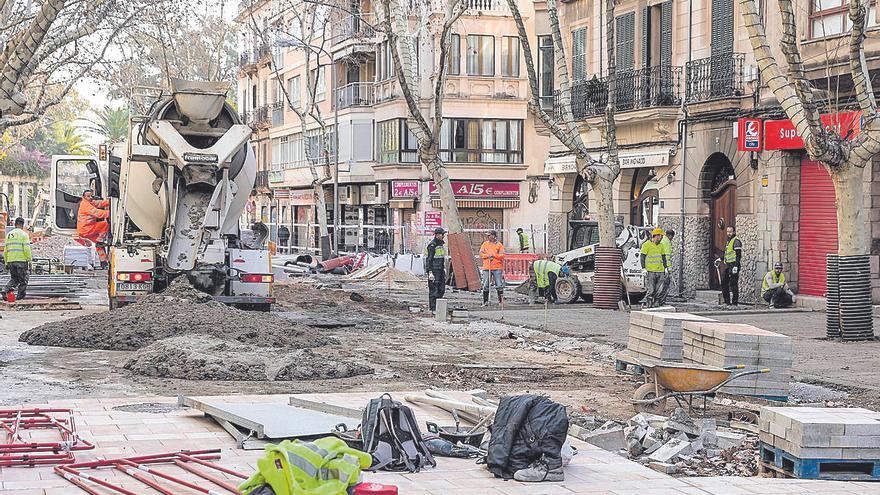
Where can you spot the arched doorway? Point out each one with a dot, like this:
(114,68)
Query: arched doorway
(579,231)
(580,204)
(718,181)
(644,199)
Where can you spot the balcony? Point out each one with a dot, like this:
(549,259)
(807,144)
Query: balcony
(257,118)
(357,94)
(354,27)
(262,180)
(653,87)
(719,76)
(253,56)
(474,7)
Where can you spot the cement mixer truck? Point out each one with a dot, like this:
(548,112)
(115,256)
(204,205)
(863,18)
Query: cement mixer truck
(176,188)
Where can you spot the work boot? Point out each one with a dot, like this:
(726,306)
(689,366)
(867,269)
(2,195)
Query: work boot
(539,471)
(485,299)
(500,298)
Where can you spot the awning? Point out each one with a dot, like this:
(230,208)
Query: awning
(481,203)
(404,204)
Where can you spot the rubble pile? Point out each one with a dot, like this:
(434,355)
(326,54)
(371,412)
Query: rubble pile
(679,444)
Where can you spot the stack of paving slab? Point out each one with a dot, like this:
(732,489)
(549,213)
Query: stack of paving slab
(822,433)
(657,335)
(730,344)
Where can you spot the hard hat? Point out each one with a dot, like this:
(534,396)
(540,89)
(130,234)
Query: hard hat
(777,265)
(439,230)
(657,231)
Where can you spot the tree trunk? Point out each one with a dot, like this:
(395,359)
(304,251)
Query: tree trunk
(603,190)
(451,219)
(321,207)
(852,217)
(604,176)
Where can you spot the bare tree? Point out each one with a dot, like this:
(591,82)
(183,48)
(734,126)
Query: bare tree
(307,32)
(48,46)
(396,16)
(599,174)
(845,159)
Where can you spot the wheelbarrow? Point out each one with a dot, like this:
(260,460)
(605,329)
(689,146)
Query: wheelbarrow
(682,382)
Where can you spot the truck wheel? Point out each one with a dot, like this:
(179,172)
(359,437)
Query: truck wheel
(567,289)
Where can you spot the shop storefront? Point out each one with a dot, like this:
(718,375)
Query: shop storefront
(481,206)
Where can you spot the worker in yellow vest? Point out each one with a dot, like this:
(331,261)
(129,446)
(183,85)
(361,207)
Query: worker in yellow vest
(523,240)
(546,274)
(656,266)
(732,260)
(774,290)
(666,242)
(17,257)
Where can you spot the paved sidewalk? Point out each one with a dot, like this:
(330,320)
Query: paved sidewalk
(593,471)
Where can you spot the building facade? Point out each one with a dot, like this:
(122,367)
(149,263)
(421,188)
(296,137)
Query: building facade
(387,202)
(687,78)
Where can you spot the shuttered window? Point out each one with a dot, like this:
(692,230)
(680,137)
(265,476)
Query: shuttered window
(722,27)
(579,54)
(666,34)
(625,40)
(657,35)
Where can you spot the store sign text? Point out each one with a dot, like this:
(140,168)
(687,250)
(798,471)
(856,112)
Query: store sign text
(782,135)
(405,189)
(481,189)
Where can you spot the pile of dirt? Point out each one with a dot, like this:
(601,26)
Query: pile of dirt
(209,358)
(179,311)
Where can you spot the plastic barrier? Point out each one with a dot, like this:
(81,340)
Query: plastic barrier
(516,266)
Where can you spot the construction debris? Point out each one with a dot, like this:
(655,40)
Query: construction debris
(384,275)
(53,285)
(27,443)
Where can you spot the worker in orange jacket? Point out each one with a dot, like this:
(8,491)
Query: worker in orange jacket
(492,253)
(91,221)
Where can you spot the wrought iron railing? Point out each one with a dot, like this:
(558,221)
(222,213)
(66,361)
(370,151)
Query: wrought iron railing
(252,56)
(262,179)
(356,94)
(256,117)
(658,86)
(719,76)
(354,26)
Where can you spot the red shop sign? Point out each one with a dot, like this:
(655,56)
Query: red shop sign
(781,134)
(405,188)
(433,219)
(749,135)
(481,189)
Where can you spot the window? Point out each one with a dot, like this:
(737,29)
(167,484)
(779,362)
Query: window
(830,17)
(579,54)
(318,81)
(384,62)
(293,91)
(318,148)
(481,141)
(481,55)
(454,55)
(624,33)
(396,143)
(510,56)
(546,75)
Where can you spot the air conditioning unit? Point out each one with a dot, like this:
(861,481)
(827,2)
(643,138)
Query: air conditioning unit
(349,195)
(382,196)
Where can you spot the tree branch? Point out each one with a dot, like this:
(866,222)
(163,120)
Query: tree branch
(858,14)
(796,73)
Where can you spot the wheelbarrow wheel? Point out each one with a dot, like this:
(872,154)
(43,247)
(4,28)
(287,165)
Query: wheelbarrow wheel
(647,392)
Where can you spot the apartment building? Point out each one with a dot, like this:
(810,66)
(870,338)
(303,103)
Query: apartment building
(687,77)
(494,154)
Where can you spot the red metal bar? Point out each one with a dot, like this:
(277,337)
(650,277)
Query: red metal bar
(213,466)
(69,474)
(213,479)
(207,455)
(143,479)
(156,472)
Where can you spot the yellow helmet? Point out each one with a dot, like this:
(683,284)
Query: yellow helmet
(657,231)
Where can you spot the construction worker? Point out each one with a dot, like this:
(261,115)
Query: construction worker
(492,253)
(546,273)
(91,221)
(283,238)
(656,266)
(435,267)
(523,240)
(774,290)
(666,242)
(17,256)
(730,277)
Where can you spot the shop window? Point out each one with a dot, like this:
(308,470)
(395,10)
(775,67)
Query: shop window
(481,141)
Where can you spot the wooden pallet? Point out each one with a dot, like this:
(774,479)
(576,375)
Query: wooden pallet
(625,363)
(39,305)
(777,462)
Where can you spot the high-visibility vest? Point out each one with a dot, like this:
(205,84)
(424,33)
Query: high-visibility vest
(729,252)
(543,268)
(326,466)
(653,256)
(523,240)
(667,248)
(771,278)
(17,247)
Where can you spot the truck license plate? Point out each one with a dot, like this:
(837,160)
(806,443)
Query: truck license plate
(133,287)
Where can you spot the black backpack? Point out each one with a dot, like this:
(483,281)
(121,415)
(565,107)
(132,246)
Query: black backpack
(391,435)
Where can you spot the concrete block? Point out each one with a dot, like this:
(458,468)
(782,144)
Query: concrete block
(670,450)
(611,439)
(728,439)
(442,312)
(663,467)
